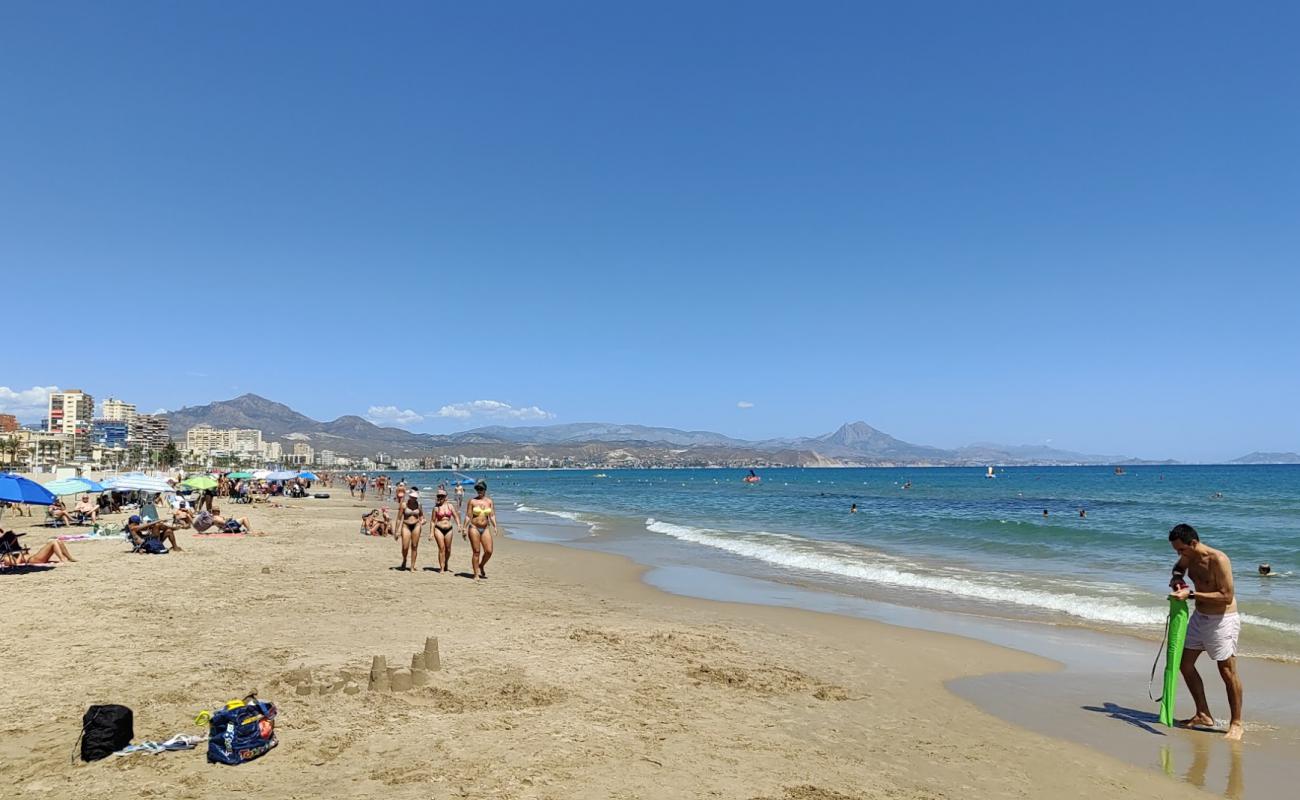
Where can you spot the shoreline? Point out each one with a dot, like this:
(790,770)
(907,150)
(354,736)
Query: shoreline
(1047,701)
(564,675)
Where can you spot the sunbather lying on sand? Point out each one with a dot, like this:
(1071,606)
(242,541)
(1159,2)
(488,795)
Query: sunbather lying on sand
(13,554)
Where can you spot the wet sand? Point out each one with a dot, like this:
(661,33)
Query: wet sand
(563,676)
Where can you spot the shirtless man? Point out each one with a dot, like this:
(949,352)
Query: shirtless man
(139,530)
(87,509)
(1214,625)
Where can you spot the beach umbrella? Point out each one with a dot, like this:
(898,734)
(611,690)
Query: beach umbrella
(239,475)
(136,481)
(199,482)
(17,489)
(282,475)
(261,474)
(308,476)
(73,486)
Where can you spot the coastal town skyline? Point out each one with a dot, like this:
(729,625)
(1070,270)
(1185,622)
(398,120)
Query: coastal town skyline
(113,424)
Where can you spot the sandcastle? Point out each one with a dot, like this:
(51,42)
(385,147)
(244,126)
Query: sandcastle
(383,678)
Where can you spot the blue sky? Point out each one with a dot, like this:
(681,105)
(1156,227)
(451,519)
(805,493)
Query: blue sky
(1028,222)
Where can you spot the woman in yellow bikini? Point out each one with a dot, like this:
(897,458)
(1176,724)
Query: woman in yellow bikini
(480,522)
(446,518)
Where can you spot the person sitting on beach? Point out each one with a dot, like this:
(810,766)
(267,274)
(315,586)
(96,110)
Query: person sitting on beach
(139,530)
(377,522)
(13,554)
(210,519)
(59,513)
(1213,627)
(86,509)
(182,512)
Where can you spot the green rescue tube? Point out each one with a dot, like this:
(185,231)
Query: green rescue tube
(1173,658)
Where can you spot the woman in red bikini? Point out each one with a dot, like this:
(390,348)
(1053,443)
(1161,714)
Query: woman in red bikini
(446,519)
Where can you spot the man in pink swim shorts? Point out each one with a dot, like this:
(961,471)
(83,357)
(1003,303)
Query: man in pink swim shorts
(1214,625)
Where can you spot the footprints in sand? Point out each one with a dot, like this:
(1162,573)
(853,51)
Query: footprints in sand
(810,792)
(766,680)
(713,661)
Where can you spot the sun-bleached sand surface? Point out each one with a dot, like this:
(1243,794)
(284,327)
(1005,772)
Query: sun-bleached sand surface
(562,676)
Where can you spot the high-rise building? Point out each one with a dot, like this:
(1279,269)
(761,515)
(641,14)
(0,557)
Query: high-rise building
(110,433)
(70,412)
(8,423)
(273,451)
(203,439)
(305,450)
(149,431)
(115,410)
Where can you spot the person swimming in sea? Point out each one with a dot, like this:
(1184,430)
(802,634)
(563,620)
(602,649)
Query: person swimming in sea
(1083,513)
(853,509)
(1265,570)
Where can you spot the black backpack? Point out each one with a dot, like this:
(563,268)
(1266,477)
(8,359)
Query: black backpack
(105,730)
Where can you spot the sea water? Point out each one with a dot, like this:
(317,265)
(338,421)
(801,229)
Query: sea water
(952,538)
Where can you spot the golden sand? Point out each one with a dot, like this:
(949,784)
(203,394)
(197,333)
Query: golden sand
(562,676)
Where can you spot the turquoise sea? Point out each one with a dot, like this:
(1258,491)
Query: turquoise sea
(951,538)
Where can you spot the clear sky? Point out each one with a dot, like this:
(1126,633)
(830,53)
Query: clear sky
(1024,222)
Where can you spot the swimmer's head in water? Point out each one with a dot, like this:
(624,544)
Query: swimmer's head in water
(1265,569)
(480,487)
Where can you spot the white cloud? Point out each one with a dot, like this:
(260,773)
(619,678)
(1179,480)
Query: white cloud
(492,409)
(744,404)
(26,404)
(392,415)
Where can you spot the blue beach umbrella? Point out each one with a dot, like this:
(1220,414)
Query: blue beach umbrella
(73,486)
(17,489)
(308,476)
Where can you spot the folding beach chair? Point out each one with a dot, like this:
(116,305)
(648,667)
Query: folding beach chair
(149,512)
(12,553)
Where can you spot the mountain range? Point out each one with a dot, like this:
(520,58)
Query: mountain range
(855,443)
(1267,458)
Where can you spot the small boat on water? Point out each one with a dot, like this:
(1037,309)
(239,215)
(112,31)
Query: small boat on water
(752,478)
(600,475)
(990,473)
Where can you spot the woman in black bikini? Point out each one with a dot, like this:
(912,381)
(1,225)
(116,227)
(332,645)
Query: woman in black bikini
(446,519)
(412,521)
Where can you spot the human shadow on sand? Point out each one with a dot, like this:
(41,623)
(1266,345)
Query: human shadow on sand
(1138,719)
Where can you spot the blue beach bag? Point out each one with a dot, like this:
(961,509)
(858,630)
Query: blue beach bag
(243,732)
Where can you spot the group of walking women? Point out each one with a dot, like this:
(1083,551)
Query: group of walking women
(478,525)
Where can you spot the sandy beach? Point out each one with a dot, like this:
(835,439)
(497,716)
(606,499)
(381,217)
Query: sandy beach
(562,676)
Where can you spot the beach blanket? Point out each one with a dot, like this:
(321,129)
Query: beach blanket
(91,537)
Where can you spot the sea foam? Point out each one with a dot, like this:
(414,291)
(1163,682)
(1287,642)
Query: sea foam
(778,549)
(569,515)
